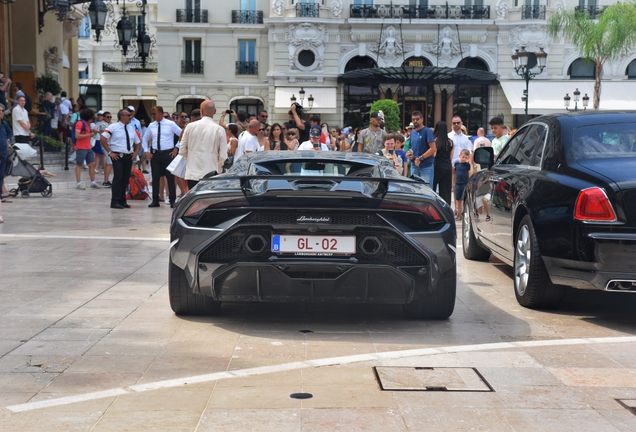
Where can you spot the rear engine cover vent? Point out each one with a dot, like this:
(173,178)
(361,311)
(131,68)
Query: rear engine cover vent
(431,379)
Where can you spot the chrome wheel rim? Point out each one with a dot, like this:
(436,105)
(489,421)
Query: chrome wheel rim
(522,260)
(466,229)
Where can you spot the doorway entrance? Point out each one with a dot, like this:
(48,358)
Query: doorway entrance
(409,107)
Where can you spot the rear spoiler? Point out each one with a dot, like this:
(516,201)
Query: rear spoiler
(272,189)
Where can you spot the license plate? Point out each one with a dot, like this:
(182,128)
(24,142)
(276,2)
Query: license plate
(314,245)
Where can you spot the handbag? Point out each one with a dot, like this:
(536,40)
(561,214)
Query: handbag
(178,166)
(227,164)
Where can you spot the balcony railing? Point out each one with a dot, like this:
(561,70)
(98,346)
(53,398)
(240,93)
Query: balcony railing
(246,68)
(420,12)
(191,66)
(533,12)
(192,15)
(308,10)
(592,11)
(247,17)
(129,66)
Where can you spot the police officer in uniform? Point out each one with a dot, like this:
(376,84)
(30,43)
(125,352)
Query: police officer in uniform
(158,142)
(122,144)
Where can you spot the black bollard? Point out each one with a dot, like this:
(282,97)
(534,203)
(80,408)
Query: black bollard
(42,154)
(66,155)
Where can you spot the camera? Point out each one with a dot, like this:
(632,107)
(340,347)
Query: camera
(317,145)
(391,152)
(228,111)
(299,109)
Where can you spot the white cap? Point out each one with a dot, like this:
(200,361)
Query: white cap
(130,108)
(100,112)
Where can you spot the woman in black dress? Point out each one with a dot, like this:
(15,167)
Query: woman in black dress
(443,167)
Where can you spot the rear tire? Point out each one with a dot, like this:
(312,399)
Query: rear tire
(440,304)
(533,287)
(472,250)
(25,194)
(183,301)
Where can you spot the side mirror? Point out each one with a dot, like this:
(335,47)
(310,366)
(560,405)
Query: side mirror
(484,156)
(210,175)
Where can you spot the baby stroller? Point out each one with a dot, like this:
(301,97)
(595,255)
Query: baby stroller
(31,180)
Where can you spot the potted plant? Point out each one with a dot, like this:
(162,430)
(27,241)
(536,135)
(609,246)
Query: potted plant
(50,144)
(47,83)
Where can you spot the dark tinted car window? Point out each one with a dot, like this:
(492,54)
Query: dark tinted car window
(605,141)
(532,140)
(507,156)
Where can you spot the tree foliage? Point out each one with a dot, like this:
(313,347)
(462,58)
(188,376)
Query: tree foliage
(607,38)
(391,111)
(47,83)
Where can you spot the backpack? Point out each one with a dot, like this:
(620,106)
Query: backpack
(28,103)
(83,131)
(138,186)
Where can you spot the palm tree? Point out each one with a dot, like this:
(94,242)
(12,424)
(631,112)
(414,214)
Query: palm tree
(607,38)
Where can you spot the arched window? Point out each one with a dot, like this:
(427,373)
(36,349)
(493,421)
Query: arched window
(360,62)
(582,69)
(631,70)
(473,63)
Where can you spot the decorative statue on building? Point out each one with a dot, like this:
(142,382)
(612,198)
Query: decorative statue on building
(278,6)
(51,60)
(446,47)
(336,7)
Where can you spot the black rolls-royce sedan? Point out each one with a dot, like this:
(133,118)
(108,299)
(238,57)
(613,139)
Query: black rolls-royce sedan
(559,205)
(313,226)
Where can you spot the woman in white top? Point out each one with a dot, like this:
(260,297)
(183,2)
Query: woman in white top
(261,138)
(232,138)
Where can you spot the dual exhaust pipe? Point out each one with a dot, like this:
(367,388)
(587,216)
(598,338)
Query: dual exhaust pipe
(621,285)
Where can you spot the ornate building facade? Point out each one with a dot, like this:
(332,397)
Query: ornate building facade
(436,57)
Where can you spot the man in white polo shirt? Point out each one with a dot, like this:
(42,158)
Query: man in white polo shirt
(21,124)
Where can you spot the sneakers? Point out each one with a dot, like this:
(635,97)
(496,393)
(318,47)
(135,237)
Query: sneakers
(94,185)
(80,186)
(107,184)
(145,171)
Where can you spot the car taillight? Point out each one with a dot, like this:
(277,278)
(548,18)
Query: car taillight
(428,210)
(200,206)
(592,205)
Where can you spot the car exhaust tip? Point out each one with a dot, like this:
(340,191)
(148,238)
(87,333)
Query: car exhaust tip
(370,245)
(256,244)
(621,285)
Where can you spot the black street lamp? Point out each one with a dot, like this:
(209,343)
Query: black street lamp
(577,95)
(97,12)
(301,93)
(523,62)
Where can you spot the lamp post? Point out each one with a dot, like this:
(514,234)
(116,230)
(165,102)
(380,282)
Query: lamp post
(98,12)
(523,62)
(302,93)
(577,95)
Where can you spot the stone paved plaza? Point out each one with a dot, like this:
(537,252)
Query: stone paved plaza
(89,343)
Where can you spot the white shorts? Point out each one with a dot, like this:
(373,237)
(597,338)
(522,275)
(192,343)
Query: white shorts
(480,200)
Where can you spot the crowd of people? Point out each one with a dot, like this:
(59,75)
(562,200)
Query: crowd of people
(440,158)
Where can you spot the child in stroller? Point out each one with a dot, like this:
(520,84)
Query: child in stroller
(31,181)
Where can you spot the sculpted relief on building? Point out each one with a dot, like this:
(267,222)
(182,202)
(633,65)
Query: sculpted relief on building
(305,40)
(390,49)
(446,47)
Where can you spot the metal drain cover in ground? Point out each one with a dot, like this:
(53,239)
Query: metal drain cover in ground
(431,379)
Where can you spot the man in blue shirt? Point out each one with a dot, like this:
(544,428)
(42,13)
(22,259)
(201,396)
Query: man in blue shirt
(423,149)
(5,136)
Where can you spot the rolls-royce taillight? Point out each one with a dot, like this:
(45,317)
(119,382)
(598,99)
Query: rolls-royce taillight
(592,205)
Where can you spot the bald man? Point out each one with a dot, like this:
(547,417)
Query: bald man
(203,145)
(247,142)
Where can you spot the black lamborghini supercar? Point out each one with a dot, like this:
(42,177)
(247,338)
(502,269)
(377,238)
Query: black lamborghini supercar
(305,226)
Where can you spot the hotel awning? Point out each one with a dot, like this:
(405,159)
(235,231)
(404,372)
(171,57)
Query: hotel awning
(324,98)
(546,97)
(418,75)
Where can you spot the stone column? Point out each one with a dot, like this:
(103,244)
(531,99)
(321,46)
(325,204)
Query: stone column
(437,115)
(450,99)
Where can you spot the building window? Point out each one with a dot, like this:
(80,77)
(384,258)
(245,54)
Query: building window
(582,69)
(306,58)
(247,64)
(473,63)
(192,63)
(631,70)
(85,28)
